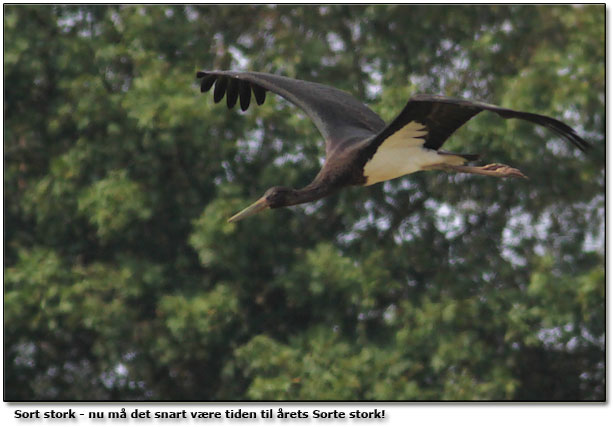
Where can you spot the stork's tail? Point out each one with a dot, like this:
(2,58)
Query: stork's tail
(458,159)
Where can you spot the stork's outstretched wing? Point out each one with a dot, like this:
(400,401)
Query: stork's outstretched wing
(440,116)
(338,115)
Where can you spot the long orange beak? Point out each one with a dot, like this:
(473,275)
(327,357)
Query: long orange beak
(258,206)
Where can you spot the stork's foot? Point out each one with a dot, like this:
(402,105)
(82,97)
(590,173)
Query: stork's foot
(495,169)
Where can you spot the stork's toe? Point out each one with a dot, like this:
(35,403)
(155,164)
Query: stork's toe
(504,170)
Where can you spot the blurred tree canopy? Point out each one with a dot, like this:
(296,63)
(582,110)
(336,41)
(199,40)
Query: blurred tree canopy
(124,281)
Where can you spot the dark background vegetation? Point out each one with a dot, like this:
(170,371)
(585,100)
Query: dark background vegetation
(122,279)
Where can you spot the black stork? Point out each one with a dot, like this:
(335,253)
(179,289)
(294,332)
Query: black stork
(360,148)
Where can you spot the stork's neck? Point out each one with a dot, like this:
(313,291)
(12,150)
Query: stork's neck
(314,191)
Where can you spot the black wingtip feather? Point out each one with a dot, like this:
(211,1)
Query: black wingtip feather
(232,93)
(220,89)
(233,88)
(563,130)
(559,128)
(207,82)
(244,90)
(260,94)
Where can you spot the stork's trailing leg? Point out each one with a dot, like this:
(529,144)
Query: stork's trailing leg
(495,169)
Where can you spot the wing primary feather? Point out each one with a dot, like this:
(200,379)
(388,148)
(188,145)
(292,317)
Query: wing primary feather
(559,128)
(232,93)
(207,82)
(244,90)
(220,88)
(341,119)
(556,126)
(260,94)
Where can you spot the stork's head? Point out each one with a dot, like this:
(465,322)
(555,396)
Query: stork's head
(274,197)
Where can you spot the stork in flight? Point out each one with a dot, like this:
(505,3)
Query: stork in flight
(360,148)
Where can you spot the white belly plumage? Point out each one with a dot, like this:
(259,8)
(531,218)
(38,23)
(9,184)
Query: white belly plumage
(401,154)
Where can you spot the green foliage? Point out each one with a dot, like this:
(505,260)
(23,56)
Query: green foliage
(112,203)
(123,279)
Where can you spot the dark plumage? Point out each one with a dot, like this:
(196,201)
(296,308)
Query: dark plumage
(360,148)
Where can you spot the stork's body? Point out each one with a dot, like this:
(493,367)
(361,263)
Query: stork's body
(360,148)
